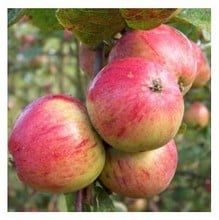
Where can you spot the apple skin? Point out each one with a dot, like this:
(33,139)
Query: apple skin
(135,104)
(162,44)
(86,59)
(203,69)
(54,147)
(140,175)
(197,115)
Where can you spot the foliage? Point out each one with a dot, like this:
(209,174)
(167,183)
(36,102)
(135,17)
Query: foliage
(195,23)
(91,26)
(41,64)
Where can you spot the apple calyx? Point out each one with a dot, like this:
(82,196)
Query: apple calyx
(156,85)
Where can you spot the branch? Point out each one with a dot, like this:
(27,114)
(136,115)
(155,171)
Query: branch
(98,60)
(78,201)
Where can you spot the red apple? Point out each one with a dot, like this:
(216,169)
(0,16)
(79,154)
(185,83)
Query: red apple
(197,115)
(67,35)
(28,40)
(163,44)
(54,147)
(207,185)
(135,104)
(203,69)
(86,58)
(140,175)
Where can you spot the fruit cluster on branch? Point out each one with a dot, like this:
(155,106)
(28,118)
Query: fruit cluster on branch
(135,104)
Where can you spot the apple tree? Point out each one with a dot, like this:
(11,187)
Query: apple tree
(109,109)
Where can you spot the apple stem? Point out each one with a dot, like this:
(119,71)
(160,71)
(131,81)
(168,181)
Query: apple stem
(79,85)
(88,195)
(98,60)
(85,195)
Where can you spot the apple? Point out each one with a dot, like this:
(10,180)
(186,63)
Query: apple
(54,146)
(140,175)
(86,59)
(207,185)
(197,115)
(136,205)
(67,35)
(203,69)
(135,104)
(163,44)
(28,40)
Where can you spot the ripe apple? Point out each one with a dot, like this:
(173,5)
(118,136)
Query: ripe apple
(67,35)
(163,44)
(54,147)
(207,185)
(135,104)
(86,59)
(203,69)
(28,40)
(197,115)
(140,175)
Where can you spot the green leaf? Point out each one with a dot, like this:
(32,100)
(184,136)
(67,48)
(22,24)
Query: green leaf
(200,18)
(103,202)
(70,198)
(195,23)
(189,154)
(44,19)
(147,18)
(182,128)
(91,26)
(14,14)
(87,207)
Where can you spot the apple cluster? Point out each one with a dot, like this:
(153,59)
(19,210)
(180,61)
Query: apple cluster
(124,134)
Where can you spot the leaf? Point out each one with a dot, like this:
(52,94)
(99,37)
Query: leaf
(87,207)
(189,154)
(14,14)
(70,198)
(195,23)
(147,18)
(200,18)
(182,128)
(91,26)
(103,202)
(44,19)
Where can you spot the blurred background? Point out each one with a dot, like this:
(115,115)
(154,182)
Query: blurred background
(41,64)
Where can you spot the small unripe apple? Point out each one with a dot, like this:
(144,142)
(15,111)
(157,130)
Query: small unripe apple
(203,69)
(140,175)
(136,205)
(135,104)
(54,147)
(86,59)
(197,115)
(162,44)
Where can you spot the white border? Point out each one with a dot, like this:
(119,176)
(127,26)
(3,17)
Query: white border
(101,4)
